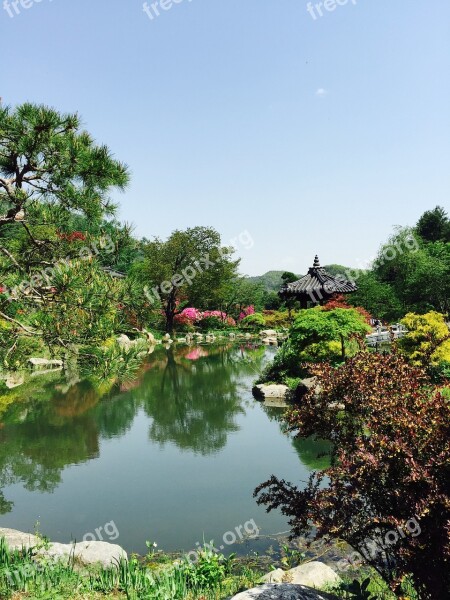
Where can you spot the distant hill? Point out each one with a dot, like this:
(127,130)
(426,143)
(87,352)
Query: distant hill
(271,280)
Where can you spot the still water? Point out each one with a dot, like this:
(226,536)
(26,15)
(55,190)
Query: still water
(172,458)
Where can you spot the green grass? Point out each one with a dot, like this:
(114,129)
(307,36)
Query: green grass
(213,577)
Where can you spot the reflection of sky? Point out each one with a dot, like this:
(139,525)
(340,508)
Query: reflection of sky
(161,492)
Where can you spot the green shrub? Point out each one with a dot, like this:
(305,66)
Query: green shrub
(254,321)
(212,323)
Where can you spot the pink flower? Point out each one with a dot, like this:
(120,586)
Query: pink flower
(250,310)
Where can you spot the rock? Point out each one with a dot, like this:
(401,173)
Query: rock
(282,591)
(124,342)
(314,574)
(304,387)
(38,363)
(311,384)
(16,540)
(86,553)
(150,337)
(13,380)
(263,391)
(275,576)
(276,403)
(268,333)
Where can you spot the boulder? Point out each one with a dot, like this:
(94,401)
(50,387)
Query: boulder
(263,391)
(313,574)
(283,591)
(86,553)
(270,341)
(124,342)
(268,333)
(16,540)
(150,337)
(13,380)
(41,363)
(276,576)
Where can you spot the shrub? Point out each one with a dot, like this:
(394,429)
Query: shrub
(211,323)
(253,321)
(428,339)
(389,469)
(277,318)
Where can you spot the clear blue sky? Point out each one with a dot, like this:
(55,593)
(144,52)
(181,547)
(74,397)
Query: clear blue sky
(315,136)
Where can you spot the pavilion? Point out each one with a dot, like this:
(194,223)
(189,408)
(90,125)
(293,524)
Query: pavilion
(317,286)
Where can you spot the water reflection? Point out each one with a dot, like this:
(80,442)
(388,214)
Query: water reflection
(192,400)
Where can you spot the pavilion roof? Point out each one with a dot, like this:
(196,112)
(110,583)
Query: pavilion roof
(318,283)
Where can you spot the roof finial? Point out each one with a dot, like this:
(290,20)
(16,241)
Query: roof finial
(316,262)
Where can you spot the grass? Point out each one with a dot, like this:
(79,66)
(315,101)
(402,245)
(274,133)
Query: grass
(213,577)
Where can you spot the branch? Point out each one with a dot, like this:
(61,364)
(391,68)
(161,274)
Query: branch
(26,329)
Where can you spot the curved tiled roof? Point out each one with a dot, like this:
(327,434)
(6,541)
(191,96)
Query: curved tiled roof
(318,283)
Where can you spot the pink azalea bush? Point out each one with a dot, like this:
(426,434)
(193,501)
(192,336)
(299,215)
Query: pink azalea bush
(190,316)
(250,310)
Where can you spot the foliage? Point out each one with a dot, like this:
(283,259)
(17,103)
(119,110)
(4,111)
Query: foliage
(253,321)
(55,184)
(315,327)
(189,268)
(340,301)
(434,225)
(390,459)
(23,574)
(277,319)
(428,339)
(45,157)
(208,570)
(212,323)
(377,297)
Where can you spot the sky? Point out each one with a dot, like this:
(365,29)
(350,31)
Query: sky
(293,132)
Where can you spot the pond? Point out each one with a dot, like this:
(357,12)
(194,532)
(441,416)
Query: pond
(172,457)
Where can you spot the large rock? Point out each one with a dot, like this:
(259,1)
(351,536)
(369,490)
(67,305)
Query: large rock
(275,576)
(268,333)
(44,363)
(16,540)
(282,591)
(86,553)
(314,574)
(263,391)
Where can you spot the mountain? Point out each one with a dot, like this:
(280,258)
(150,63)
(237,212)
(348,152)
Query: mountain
(271,281)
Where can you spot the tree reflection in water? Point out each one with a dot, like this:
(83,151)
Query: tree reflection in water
(192,401)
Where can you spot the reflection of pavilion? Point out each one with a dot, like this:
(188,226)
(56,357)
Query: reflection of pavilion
(317,286)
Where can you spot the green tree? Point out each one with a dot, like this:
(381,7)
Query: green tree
(286,278)
(52,173)
(316,335)
(378,297)
(434,225)
(316,326)
(189,268)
